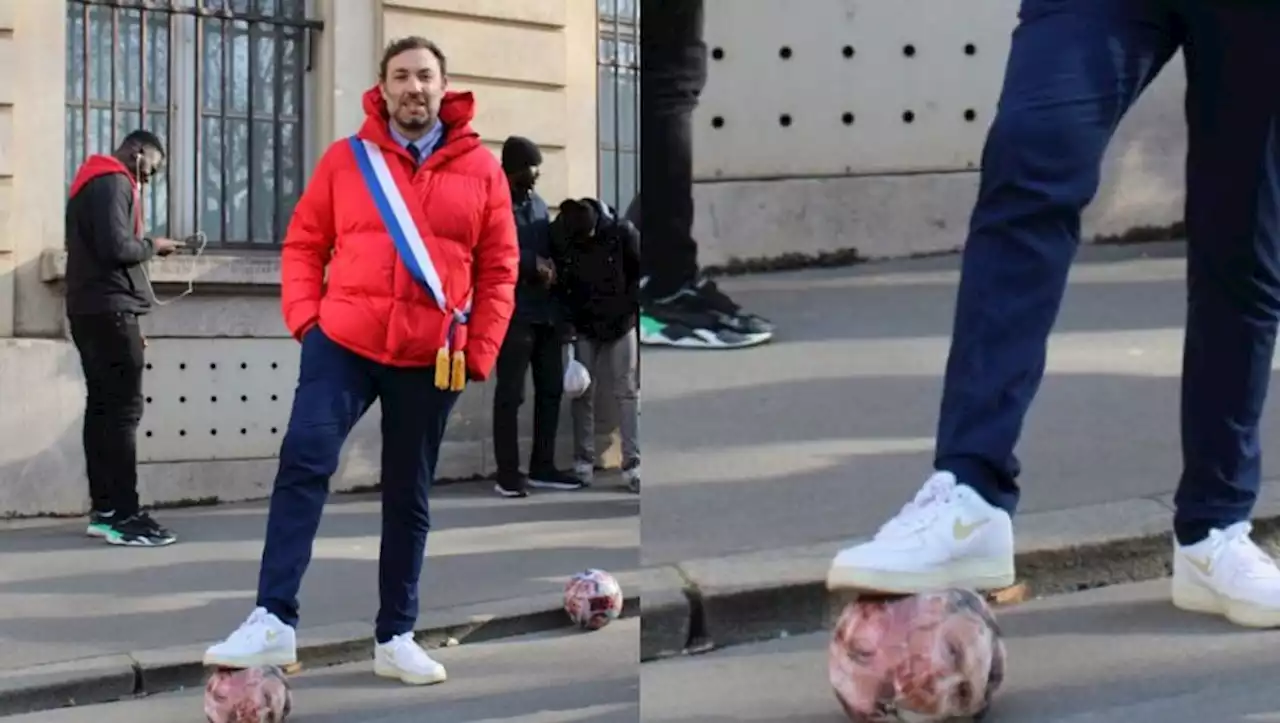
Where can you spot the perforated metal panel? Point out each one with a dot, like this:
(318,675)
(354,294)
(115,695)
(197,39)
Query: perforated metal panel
(218,399)
(837,87)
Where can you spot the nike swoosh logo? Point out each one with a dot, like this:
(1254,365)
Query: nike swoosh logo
(1204,566)
(963,531)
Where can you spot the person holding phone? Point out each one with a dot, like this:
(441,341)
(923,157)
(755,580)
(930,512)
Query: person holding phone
(107,293)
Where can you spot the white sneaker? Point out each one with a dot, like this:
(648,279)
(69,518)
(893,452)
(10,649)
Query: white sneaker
(261,640)
(1227,574)
(584,471)
(631,476)
(403,659)
(947,537)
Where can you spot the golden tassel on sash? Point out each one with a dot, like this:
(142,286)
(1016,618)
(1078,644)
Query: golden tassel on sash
(458,381)
(442,368)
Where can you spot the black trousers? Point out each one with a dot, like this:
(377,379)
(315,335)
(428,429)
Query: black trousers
(111,355)
(540,347)
(673,71)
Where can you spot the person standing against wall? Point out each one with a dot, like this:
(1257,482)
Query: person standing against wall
(398,279)
(600,282)
(680,308)
(107,293)
(534,342)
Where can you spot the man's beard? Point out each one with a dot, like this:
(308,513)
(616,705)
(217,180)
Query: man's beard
(415,122)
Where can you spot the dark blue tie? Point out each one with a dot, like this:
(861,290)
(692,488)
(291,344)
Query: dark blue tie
(414,153)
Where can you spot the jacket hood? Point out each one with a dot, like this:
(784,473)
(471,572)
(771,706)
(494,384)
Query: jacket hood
(457,110)
(95,166)
(604,217)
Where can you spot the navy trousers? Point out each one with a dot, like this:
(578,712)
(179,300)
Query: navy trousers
(335,389)
(1075,68)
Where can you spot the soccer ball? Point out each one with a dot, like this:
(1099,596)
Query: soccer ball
(922,658)
(592,599)
(249,695)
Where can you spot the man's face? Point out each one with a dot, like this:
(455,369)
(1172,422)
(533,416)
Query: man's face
(149,164)
(413,89)
(524,178)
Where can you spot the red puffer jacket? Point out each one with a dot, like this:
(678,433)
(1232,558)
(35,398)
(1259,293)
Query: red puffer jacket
(370,303)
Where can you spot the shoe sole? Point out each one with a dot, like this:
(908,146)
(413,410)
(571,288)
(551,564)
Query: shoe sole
(980,575)
(559,486)
(510,494)
(288,664)
(694,342)
(386,670)
(96,532)
(1194,598)
(139,542)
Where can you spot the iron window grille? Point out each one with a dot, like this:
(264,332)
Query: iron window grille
(618,90)
(224,83)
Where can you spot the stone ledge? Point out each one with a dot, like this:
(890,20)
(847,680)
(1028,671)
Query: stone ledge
(242,269)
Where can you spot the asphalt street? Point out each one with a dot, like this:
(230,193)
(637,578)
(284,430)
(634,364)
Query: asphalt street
(823,433)
(564,677)
(1115,655)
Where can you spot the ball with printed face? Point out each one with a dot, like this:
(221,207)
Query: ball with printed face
(250,695)
(592,599)
(917,659)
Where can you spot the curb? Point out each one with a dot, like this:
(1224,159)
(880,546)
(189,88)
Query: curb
(700,605)
(109,678)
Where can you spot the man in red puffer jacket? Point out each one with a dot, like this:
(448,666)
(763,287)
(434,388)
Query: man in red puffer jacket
(412,221)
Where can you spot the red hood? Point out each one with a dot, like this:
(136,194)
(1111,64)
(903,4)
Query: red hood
(95,166)
(457,110)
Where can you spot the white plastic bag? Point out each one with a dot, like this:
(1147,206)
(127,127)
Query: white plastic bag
(577,380)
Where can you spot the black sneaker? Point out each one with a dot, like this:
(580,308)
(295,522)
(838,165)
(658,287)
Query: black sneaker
(555,479)
(139,531)
(700,316)
(511,485)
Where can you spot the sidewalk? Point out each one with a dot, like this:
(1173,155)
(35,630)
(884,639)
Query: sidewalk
(828,430)
(64,597)
(594,680)
(1120,655)
(762,463)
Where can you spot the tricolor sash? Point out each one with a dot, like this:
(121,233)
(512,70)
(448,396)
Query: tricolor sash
(451,371)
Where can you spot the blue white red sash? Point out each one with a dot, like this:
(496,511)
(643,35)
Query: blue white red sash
(413,252)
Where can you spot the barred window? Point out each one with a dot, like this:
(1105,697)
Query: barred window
(619,99)
(226,84)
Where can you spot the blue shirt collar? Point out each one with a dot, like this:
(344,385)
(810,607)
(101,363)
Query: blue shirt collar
(427,144)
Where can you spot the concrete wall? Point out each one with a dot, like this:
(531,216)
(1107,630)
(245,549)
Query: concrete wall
(221,367)
(848,171)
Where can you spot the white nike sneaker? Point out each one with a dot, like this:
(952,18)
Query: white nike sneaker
(584,471)
(1227,574)
(948,536)
(261,640)
(403,659)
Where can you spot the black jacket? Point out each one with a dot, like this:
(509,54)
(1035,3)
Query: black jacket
(105,254)
(599,276)
(535,301)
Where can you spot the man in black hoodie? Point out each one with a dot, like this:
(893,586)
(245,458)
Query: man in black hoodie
(600,284)
(535,340)
(107,291)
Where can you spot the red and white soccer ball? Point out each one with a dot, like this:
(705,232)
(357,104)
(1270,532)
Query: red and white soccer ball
(592,599)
